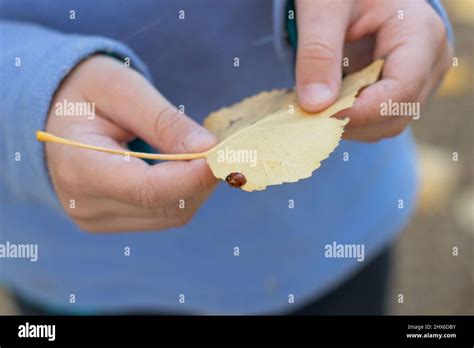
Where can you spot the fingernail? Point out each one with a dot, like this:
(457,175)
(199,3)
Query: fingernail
(315,94)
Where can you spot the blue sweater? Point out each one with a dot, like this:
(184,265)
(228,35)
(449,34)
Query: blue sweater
(281,250)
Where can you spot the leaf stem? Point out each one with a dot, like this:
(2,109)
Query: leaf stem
(47,137)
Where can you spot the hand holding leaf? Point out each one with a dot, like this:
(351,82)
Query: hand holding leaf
(289,143)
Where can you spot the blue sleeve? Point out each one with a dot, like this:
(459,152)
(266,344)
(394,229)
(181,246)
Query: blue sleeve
(33,62)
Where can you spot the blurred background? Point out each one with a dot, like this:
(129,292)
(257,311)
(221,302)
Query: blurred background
(431,279)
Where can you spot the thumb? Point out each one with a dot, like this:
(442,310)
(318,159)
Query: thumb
(174,132)
(321,32)
(135,105)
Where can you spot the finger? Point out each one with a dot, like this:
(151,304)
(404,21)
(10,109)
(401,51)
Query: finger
(126,217)
(106,208)
(129,100)
(177,180)
(103,210)
(377,131)
(441,67)
(321,31)
(403,78)
(127,224)
(127,179)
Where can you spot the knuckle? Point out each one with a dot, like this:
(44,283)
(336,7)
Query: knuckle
(317,51)
(205,180)
(173,211)
(147,197)
(168,117)
(202,183)
(148,194)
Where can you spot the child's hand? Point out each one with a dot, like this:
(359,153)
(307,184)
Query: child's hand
(103,192)
(409,34)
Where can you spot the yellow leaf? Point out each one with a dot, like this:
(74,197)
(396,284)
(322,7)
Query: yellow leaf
(270,140)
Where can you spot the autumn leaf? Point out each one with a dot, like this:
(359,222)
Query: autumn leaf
(270,140)
(266,139)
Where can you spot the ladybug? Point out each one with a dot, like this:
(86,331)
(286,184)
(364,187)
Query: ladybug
(235,180)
